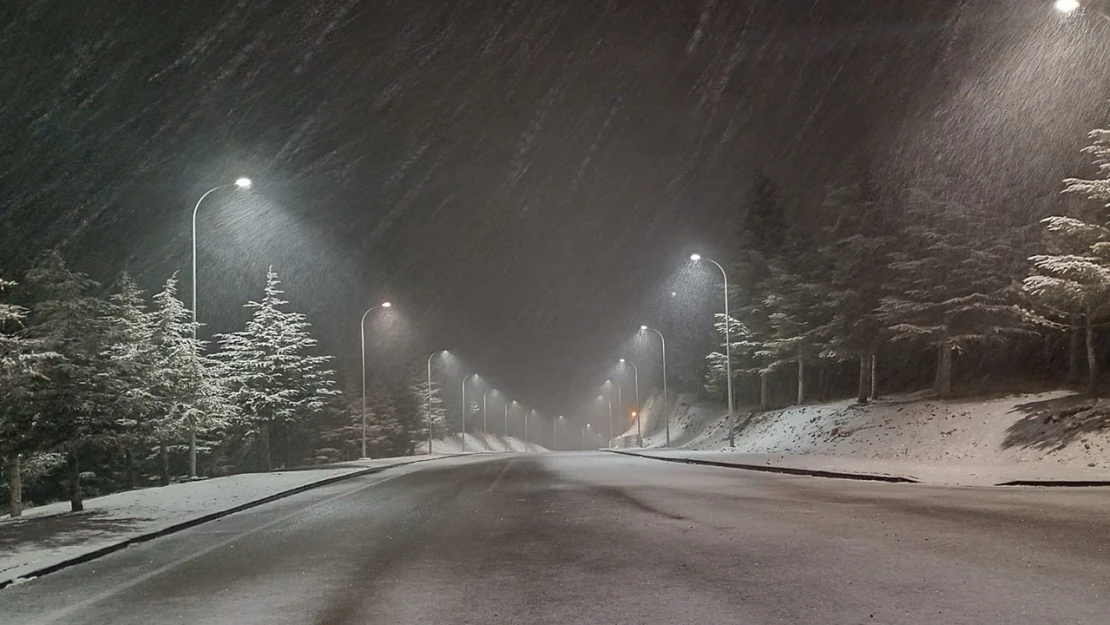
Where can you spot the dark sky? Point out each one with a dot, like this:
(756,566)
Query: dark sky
(522,178)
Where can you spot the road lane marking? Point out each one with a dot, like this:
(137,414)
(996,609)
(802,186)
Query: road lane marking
(497,480)
(68,611)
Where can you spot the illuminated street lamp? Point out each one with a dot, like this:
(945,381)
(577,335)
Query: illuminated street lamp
(584,431)
(465,410)
(663,344)
(555,433)
(241,183)
(362,334)
(728,345)
(1066,6)
(428,397)
(485,403)
(636,412)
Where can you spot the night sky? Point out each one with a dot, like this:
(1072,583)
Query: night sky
(525,179)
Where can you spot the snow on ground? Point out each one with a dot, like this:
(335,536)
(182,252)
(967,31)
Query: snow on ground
(50,534)
(1016,437)
(475,443)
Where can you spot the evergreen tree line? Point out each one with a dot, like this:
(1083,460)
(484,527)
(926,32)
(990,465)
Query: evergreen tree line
(921,278)
(104,394)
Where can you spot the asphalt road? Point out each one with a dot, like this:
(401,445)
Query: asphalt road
(602,538)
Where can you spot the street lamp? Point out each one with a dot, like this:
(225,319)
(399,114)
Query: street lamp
(728,346)
(555,433)
(636,412)
(485,404)
(526,429)
(666,416)
(362,334)
(610,403)
(584,431)
(428,397)
(1066,6)
(242,183)
(506,439)
(465,410)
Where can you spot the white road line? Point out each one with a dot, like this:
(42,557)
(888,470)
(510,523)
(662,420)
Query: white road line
(500,475)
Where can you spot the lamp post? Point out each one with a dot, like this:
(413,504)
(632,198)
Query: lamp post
(728,346)
(465,410)
(609,402)
(584,430)
(636,412)
(428,397)
(526,413)
(555,433)
(485,404)
(663,344)
(506,439)
(242,183)
(362,335)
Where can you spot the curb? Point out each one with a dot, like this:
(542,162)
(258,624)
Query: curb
(1059,483)
(184,525)
(867,477)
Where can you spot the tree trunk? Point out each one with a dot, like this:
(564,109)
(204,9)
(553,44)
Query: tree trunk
(1075,350)
(944,370)
(163,463)
(264,446)
(192,452)
(1092,361)
(75,499)
(874,376)
(15,486)
(822,383)
(764,391)
(864,382)
(129,469)
(801,377)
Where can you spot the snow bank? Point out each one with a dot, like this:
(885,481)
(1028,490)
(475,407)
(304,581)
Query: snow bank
(478,443)
(978,434)
(50,534)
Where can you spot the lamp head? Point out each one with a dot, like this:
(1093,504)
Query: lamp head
(695,257)
(243,183)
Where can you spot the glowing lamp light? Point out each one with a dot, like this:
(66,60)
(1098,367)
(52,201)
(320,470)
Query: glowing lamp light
(622,360)
(243,183)
(695,257)
(387,305)
(1067,6)
(643,328)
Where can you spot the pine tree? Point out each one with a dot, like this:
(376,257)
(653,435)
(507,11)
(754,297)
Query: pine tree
(131,350)
(856,254)
(273,378)
(794,302)
(1073,278)
(432,414)
(187,381)
(14,373)
(953,280)
(74,397)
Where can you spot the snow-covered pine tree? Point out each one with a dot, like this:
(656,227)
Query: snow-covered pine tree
(73,397)
(953,279)
(273,378)
(758,236)
(14,370)
(432,414)
(856,253)
(187,381)
(794,304)
(131,350)
(1073,277)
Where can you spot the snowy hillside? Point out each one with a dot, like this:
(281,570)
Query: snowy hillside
(1014,429)
(476,442)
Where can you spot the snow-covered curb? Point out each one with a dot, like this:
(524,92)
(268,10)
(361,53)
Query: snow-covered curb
(113,522)
(743,461)
(890,470)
